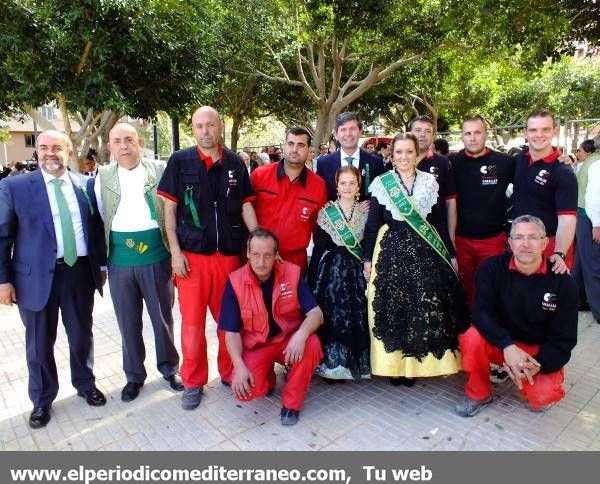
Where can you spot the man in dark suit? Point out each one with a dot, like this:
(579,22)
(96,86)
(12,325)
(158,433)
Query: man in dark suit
(50,260)
(347,131)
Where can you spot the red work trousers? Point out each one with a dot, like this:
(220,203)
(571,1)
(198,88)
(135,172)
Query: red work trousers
(201,290)
(477,354)
(569,260)
(260,363)
(470,253)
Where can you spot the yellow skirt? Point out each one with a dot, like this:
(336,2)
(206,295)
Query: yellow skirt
(396,364)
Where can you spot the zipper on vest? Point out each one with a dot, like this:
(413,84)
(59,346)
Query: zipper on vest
(217,223)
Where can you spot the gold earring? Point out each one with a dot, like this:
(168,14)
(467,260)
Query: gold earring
(357,196)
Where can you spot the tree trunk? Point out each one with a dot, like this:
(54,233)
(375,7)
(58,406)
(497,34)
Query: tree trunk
(325,124)
(235,130)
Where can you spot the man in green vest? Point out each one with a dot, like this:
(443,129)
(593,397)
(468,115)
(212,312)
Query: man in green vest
(139,263)
(586,270)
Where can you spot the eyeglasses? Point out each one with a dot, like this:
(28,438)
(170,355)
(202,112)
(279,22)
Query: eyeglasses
(528,238)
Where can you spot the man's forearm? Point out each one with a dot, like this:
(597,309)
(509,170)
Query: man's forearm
(565,232)
(233,342)
(170,211)
(452,217)
(249,216)
(312,321)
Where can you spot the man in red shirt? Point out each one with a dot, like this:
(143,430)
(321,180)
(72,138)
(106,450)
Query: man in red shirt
(289,197)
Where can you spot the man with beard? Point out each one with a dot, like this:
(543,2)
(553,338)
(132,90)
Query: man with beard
(289,197)
(50,261)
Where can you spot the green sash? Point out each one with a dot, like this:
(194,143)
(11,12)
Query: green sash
(412,216)
(338,222)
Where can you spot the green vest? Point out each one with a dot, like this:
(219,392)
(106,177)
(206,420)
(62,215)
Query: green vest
(111,194)
(582,178)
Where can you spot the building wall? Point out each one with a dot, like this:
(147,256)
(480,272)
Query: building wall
(15,149)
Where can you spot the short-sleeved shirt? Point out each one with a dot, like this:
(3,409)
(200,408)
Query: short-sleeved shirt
(287,207)
(481,185)
(230,318)
(544,188)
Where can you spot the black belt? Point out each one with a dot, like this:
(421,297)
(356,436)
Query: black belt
(61,260)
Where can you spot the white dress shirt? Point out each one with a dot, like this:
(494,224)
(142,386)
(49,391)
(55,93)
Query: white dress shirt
(592,194)
(133,213)
(355,158)
(68,189)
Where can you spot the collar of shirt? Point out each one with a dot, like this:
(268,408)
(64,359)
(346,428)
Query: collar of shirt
(301,178)
(486,151)
(208,161)
(65,177)
(355,155)
(542,269)
(547,159)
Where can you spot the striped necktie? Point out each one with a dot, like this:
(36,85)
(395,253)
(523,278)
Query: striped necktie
(66,224)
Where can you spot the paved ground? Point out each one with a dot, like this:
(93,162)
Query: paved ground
(369,415)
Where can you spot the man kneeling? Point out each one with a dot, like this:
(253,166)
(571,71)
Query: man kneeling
(525,317)
(270,316)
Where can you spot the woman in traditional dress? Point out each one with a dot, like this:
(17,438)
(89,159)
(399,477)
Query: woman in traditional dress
(336,277)
(415,304)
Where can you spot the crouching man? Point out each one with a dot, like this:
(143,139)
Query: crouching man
(270,316)
(525,317)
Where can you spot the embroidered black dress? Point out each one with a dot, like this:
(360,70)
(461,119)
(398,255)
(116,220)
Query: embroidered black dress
(336,279)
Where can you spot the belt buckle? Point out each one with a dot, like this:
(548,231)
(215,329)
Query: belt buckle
(60,260)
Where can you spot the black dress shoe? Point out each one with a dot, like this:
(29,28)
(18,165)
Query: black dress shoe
(130,391)
(289,416)
(93,397)
(39,417)
(402,380)
(175,382)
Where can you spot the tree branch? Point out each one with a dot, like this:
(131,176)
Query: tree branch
(84,57)
(307,87)
(37,118)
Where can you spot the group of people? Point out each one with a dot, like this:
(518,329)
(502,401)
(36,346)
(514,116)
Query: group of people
(409,275)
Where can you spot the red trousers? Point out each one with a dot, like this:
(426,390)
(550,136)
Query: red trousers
(470,253)
(260,363)
(477,354)
(203,289)
(569,260)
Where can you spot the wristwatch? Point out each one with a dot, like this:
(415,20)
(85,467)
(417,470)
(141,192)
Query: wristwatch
(562,255)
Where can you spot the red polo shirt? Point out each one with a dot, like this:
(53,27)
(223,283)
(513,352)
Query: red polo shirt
(287,207)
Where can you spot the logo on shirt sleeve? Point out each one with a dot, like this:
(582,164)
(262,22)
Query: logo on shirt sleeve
(489,175)
(435,171)
(542,177)
(549,301)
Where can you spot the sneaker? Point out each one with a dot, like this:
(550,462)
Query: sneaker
(402,380)
(191,398)
(542,409)
(289,416)
(498,375)
(468,407)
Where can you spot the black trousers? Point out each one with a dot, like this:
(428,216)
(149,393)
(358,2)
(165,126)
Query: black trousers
(73,294)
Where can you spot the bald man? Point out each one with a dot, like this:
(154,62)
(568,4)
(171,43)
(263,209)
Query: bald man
(139,265)
(50,261)
(208,195)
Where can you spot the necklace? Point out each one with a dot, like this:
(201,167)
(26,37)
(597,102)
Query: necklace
(347,218)
(409,192)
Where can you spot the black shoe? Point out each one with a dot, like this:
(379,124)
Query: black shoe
(270,392)
(225,383)
(289,416)
(402,380)
(40,416)
(131,391)
(93,397)
(175,382)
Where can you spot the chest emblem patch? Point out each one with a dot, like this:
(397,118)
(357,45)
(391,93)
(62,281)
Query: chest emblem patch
(549,301)
(542,177)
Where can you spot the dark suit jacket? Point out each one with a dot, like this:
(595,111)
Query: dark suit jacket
(28,241)
(328,165)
